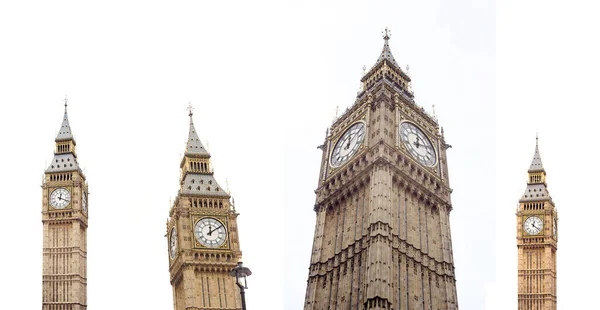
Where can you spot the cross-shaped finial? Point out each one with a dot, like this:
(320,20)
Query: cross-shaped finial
(190,109)
(387,34)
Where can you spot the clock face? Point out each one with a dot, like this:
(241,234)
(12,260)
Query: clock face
(348,144)
(417,144)
(173,243)
(84,203)
(210,232)
(60,198)
(533,225)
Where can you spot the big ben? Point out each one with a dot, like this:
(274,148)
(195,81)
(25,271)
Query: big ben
(537,241)
(202,235)
(382,235)
(65,219)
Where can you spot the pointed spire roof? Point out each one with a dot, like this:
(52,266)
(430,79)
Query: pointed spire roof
(386,53)
(536,163)
(386,57)
(65,130)
(536,185)
(65,158)
(194,146)
(197,177)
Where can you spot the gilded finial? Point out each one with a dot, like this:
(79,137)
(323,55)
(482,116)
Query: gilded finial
(190,109)
(387,34)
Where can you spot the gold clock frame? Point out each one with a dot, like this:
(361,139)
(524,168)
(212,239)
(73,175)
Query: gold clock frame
(337,139)
(403,147)
(68,206)
(222,220)
(176,237)
(541,233)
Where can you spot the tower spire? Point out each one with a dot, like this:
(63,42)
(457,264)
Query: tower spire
(387,66)
(536,179)
(65,130)
(536,163)
(194,146)
(65,158)
(386,53)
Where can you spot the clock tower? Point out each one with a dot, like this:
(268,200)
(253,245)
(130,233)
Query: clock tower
(202,235)
(65,220)
(537,238)
(382,235)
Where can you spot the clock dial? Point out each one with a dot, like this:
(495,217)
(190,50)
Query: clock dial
(84,202)
(173,243)
(348,144)
(60,198)
(533,225)
(210,232)
(417,144)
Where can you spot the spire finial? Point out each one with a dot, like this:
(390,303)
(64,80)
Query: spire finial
(66,101)
(190,109)
(387,34)
(536,139)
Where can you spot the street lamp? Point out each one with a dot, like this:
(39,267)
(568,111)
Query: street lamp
(240,273)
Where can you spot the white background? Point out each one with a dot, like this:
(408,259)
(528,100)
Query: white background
(450,50)
(265,79)
(547,60)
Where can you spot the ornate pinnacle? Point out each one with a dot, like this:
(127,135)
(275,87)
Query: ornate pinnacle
(190,109)
(386,34)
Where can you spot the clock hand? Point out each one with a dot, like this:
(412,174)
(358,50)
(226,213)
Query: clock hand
(348,144)
(210,232)
(416,143)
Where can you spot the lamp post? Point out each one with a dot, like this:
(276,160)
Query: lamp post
(240,273)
